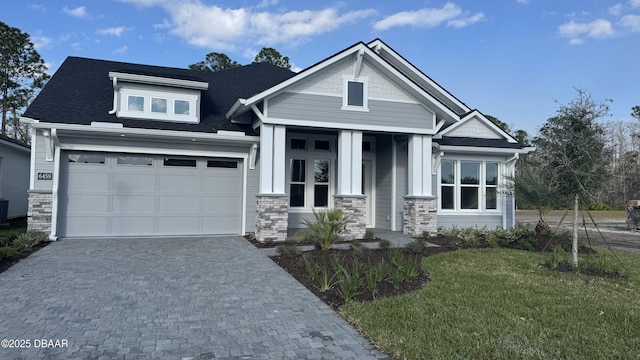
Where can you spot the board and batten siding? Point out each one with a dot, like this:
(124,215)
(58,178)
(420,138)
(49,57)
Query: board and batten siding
(509,210)
(253,182)
(383,176)
(320,108)
(41,163)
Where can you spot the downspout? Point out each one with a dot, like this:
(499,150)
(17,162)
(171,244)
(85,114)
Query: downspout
(53,236)
(115,96)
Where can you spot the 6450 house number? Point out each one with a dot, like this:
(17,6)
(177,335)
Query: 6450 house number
(45,176)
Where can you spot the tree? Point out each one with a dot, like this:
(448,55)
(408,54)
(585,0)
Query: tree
(522,136)
(22,72)
(571,146)
(635,112)
(498,123)
(218,61)
(272,56)
(215,61)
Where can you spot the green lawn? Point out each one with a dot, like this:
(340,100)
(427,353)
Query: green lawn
(499,304)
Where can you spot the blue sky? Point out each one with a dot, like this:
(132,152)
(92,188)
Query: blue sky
(512,59)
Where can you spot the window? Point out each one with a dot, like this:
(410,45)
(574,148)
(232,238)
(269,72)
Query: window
(179,162)
(181,107)
(298,144)
(158,105)
(134,160)
(135,103)
(87,159)
(321,183)
(323,145)
(468,185)
(355,93)
(491,184)
(297,186)
(447,181)
(228,164)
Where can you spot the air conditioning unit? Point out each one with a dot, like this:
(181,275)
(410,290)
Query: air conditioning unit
(4,211)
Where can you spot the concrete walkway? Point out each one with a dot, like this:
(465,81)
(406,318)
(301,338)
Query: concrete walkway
(196,299)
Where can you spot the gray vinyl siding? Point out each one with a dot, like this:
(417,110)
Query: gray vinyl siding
(328,108)
(14,179)
(253,183)
(402,181)
(41,163)
(383,181)
(491,221)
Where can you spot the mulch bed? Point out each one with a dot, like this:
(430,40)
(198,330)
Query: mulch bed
(6,263)
(568,268)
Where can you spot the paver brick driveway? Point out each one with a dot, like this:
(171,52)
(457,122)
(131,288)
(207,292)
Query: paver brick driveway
(194,298)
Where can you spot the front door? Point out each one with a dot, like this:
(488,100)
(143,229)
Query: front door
(367,190)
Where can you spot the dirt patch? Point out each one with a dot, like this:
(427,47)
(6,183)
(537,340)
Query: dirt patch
(568,268)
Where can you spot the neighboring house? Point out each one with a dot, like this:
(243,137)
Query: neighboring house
(130,149)
(14,175)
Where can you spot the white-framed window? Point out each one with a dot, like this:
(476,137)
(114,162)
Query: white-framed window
(139,101)
(355,95)
(311,160)
(468,185)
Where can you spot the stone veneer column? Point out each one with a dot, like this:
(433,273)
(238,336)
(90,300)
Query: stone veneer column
(40,210)
(272,217)
(353,206)
(420,215)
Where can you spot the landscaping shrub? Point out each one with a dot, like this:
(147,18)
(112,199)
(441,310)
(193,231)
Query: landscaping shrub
(558,257)
(348,282)
(325,230)
(415,247)
(599,263)
(384,244)
(371,276)
(288,251)
(397,278)
(313,269)
(369,235)
(25,241)
(326,280)
(7,252)
(359,250)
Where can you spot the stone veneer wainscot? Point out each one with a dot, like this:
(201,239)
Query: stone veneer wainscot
(353,206)
(40,210)
(272,217)
(420,215)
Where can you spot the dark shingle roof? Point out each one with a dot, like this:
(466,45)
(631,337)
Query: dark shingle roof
(478,142)
(14,141)
(81,92)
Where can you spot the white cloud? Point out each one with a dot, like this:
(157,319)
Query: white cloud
(616,10)
(40,41)
(426,17)
(634,3)
(599,28)
(522,1)
(113,31)
(193,21)
(79,12)
(121,50)
(631,22)
(38,7)
(576,41)
(466,21)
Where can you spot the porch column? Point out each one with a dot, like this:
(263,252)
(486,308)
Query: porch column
(272,212)
(420,206)
(349,197)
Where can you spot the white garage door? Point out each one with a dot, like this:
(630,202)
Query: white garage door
(104,194)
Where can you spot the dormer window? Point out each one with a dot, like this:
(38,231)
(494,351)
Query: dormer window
(355,94)
(156,98)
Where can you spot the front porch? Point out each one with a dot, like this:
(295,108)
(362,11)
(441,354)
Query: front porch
(381,180)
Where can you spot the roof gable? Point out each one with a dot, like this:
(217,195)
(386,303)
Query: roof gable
(351,61)
(475,125)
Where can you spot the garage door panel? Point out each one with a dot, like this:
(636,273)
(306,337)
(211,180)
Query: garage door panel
(150,198)
(134,204)
(86,226)
(84,204)
(224,203)
(179,204)
(134,183)
(180,183)
(179,225)
(133,225)
(87,181)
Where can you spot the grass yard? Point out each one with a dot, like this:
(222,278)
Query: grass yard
(499,304)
